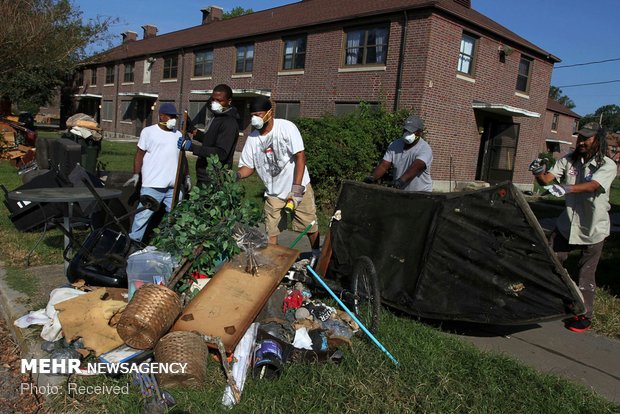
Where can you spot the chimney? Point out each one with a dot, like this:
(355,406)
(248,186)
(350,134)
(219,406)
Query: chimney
(129,36)
(464,3)
(212,14)
(149,31)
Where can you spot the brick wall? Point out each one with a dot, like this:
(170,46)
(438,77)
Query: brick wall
(430,86)
(564,132)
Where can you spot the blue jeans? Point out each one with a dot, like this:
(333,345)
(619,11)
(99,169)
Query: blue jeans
(141,220)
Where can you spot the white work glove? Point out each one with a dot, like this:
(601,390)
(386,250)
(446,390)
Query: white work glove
(557,190)
(188,184)
(133,180)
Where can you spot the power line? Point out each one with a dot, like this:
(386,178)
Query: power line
(587,84)
(586,63)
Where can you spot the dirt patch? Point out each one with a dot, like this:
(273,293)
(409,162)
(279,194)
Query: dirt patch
(11,379)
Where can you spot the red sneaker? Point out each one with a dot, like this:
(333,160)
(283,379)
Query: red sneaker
(578,323)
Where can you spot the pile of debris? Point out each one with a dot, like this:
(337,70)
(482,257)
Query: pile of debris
(257,321)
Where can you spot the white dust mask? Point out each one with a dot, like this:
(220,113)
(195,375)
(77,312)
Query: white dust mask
(171,123)
(216,107)
(257,122)
(409,138)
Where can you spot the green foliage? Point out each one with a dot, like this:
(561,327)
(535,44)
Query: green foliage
(236,11)
(42,43)
(549,160)
(347,146)
(207,219)
(607,115)
(556,94)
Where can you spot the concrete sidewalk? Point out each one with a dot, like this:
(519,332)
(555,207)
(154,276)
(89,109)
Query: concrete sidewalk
(586,358)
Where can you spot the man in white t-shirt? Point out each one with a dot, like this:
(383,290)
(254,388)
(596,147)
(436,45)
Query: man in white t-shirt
(157,158)
(411,157)
(275,150)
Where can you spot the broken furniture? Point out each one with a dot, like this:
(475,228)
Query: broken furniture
(230,302)
(63,195)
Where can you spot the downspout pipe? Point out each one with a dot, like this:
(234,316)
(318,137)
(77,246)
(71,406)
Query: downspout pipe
(401,58)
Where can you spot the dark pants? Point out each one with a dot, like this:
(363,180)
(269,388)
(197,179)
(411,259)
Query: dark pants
(590,255)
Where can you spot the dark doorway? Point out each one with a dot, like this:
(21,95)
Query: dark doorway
(89,106)
(143,114)
(497,151)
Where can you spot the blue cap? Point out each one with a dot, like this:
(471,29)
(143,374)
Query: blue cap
(168,108)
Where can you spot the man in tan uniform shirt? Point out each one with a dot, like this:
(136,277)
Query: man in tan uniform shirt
(584,178)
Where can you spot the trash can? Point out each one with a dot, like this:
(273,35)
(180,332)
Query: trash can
(90,151)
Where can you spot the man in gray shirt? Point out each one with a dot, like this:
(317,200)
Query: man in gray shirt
(411,157)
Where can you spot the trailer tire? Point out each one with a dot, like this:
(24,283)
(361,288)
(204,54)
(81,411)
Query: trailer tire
(366,293)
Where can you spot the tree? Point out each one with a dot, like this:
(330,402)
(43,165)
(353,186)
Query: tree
(607,115)
(43,41)
(236,11)
(555,93)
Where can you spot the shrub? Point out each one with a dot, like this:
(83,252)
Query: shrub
(346,147)
(208,219)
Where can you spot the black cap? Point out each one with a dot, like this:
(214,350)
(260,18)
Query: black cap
(260,104)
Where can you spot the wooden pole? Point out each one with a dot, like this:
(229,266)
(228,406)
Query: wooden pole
(179,179)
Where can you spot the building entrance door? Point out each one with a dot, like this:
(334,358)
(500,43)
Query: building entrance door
(497,151)
(143,115)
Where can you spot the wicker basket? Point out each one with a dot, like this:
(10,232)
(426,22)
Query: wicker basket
(148,316)
(186,348)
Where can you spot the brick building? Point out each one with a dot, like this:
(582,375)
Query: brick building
(561,125)
(480,88)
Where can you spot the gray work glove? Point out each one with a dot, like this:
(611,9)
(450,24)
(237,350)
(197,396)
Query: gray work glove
(132,181)
(399,184)
(538,166)
(296,195)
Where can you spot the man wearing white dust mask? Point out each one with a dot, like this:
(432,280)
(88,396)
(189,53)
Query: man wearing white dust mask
(275,149)
(156,159)
(411,157)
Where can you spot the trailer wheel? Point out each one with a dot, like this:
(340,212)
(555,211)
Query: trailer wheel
(366,293)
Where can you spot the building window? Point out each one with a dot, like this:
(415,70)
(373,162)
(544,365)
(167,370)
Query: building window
(203,63)
(93,76)
(171,63)
(554,122)
(575,126)
(343,108)
(523,78)
(79,78)
(129,69)
(287,110)
(108,111)
(367,46)
(466,54)
(245,59)
(294,53)
(109,74)
(197,113)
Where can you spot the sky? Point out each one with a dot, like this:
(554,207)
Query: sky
(557,26)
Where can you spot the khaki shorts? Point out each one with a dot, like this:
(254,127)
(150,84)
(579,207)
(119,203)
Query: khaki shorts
(276,218)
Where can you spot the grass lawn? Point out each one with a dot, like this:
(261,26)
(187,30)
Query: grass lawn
(437,373)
